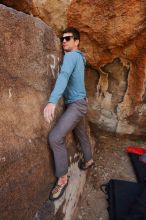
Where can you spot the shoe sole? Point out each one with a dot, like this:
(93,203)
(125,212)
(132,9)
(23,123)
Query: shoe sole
(61,193)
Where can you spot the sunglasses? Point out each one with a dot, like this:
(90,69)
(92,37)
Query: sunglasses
(67,38)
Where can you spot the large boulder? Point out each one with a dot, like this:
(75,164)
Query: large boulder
(28,49)
(29,61)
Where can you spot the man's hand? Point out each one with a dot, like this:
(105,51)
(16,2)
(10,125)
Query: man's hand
(49,111)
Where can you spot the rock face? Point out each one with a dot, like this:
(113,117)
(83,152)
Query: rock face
(29,60)
(113,39)
(28,49)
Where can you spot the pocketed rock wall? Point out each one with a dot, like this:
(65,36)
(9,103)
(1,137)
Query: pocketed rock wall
(113,37)
(29,61)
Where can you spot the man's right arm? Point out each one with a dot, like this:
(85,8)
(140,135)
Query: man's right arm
(68,65)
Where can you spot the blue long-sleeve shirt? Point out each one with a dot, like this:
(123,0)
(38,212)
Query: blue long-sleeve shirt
(70,82)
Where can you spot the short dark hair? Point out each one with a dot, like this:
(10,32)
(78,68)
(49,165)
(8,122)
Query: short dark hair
(74,31)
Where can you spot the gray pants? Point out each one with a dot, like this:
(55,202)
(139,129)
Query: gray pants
(71,120)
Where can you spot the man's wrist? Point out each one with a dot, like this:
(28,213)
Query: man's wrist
(52,101)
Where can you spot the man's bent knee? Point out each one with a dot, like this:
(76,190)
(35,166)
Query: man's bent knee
(54,140)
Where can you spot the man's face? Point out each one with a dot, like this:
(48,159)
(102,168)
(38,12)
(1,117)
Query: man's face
(69,43)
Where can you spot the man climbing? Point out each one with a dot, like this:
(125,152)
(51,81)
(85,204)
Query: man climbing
(70,84)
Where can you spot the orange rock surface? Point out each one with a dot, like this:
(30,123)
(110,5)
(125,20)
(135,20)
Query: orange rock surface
(110,31)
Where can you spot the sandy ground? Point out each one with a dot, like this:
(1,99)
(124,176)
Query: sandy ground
(111,162)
